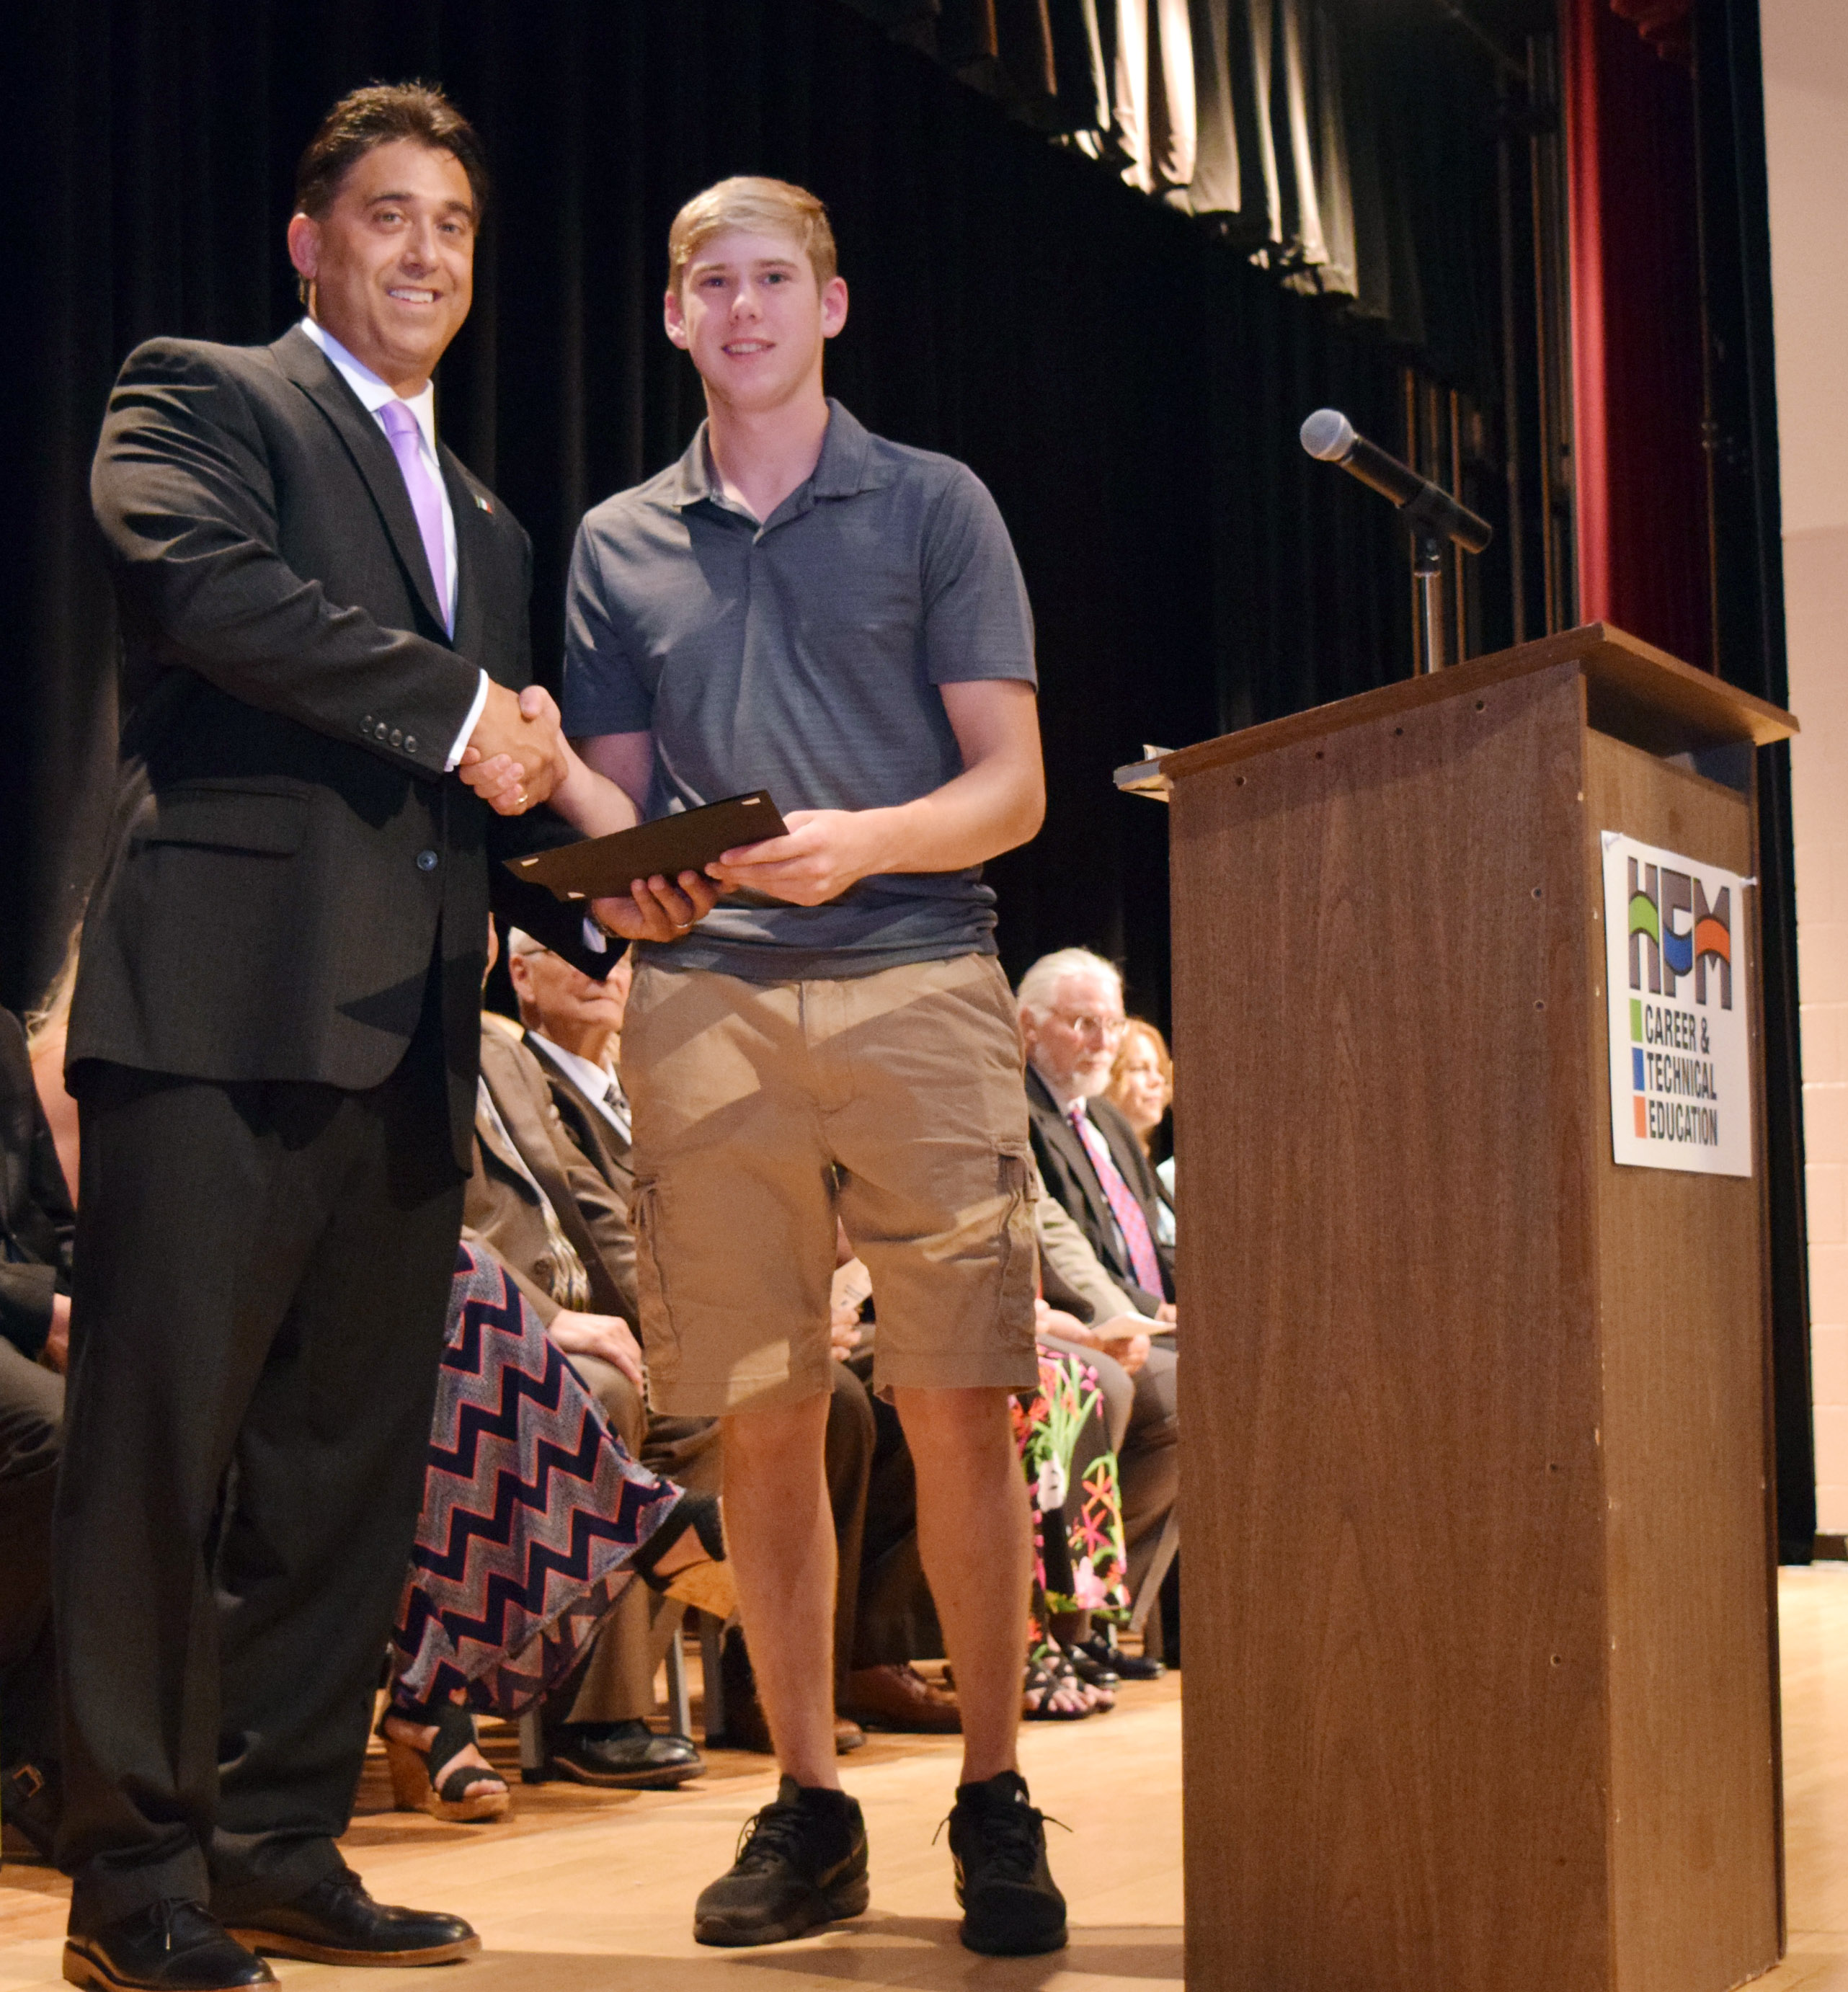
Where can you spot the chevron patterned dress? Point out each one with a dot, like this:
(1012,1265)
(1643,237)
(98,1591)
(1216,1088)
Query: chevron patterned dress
(532,1509)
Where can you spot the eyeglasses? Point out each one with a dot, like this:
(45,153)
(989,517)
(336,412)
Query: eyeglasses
(1086,1024)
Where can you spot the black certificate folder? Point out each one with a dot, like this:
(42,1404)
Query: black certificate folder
(601,868)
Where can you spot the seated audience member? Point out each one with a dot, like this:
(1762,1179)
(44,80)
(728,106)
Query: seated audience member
(1072,1020)
(1071,1015)
(541,1082)
(36,1225)
(1142,1089)
(535,1516)
(573,1023)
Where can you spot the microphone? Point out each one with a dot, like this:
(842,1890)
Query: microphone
(1427,508)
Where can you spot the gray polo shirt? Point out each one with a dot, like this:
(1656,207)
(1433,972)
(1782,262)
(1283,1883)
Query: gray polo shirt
(803,656)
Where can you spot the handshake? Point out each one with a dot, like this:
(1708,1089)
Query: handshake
(516,756)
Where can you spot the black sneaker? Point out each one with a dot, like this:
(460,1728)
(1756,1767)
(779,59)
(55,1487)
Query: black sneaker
(801,1862)
(1011,1907)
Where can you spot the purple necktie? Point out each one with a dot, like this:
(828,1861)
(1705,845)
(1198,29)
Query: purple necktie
(426,499)
(1144,1262)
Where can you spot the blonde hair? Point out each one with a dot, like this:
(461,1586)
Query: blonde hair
(750,201)
(53,1010)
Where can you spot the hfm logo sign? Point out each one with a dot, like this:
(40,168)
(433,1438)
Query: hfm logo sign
(1661,949)
(1675,966)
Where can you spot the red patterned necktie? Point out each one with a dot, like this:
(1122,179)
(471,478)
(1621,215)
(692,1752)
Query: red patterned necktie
(1144,1262)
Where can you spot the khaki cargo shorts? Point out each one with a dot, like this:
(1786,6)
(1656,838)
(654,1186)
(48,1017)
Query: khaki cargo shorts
(896,1100)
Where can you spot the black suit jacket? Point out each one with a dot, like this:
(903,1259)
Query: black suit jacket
(1071,1178)
(36,1221)
(272,909)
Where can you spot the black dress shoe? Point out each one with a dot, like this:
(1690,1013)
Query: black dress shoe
(174,1945)
(628,1756)
(1126,1666)
(336,1923)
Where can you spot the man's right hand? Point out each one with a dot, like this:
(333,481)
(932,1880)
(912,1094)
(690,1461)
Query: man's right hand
(526,730)
(606,1336)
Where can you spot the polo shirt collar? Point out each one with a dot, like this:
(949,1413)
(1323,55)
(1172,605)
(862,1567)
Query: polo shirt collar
(844,468)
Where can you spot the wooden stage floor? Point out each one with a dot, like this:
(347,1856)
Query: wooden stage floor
(585,1892)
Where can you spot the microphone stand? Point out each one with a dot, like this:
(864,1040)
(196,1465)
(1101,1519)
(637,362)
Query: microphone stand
(1430,516)
(1427,566)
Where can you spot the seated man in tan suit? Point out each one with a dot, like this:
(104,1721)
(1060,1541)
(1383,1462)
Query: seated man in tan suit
(573,1023)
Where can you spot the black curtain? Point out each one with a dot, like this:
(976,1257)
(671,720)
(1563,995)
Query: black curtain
(1129,388)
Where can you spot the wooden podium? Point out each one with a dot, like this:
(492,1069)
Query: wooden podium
(1480,1605)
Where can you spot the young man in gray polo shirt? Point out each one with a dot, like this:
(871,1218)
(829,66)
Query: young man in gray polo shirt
(801,606)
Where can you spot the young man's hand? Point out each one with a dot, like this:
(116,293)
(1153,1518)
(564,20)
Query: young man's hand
(516,755)
(652,909)
(825,851)
(607,1336)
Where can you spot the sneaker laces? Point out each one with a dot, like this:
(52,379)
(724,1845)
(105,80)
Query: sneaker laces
(775,1835)
(1012,1837)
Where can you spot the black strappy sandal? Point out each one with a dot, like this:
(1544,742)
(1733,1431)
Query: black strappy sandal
(413,1786)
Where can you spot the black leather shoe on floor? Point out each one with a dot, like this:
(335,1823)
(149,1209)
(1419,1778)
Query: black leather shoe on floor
(801,1862)
(171,1946)
(628,1756)
(336,1923)
(997,1841)
(1126,1667)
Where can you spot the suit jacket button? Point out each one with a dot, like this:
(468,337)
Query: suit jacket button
(398,736)
(366,723)
(379,731)
(426,861)
(409,743)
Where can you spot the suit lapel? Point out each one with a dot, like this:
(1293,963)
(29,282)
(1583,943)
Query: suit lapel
(589,1116)
(1064,1138)
(311,370)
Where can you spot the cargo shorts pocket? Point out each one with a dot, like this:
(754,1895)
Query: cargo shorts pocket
(1019,1245)
(660,1339)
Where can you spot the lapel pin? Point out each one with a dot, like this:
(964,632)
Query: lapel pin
(482,502)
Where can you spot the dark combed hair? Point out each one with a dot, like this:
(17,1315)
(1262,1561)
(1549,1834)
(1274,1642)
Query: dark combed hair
(377,115)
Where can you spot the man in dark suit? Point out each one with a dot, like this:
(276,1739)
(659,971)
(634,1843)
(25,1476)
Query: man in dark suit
(324,613)
(1072,1022)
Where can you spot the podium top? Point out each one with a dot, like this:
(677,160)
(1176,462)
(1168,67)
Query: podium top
(1632,690)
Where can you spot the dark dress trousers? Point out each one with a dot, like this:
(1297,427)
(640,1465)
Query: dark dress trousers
(36,1226)
(273,1046)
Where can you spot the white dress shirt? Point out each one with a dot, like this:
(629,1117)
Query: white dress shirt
(599,1086)
(374,394)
